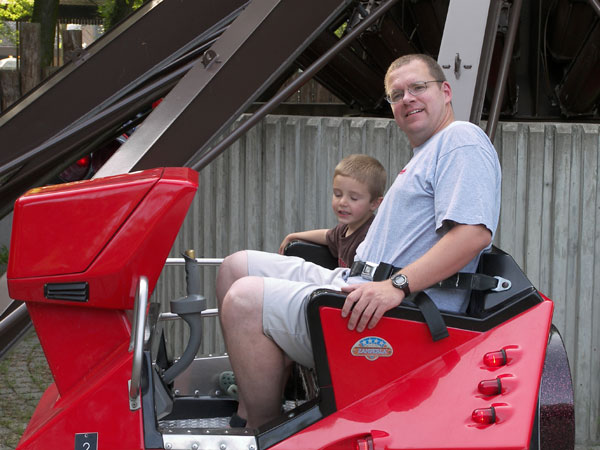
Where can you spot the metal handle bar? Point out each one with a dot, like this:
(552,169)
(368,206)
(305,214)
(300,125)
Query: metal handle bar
(137,342)
(213,312)
(199,261)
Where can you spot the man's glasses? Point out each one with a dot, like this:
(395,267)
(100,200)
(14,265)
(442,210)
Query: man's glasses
(417,88)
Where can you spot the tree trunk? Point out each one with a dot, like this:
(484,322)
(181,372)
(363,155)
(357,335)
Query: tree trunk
(45,12)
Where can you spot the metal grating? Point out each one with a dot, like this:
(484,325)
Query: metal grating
(193,424)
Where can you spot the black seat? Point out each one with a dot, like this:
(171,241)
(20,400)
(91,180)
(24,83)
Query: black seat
(316,253)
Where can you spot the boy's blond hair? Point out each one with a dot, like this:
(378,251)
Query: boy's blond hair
(365,169)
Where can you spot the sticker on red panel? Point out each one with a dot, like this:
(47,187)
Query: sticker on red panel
(372,347)
(86,441)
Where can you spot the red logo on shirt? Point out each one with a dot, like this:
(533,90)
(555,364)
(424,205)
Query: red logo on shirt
(402,171)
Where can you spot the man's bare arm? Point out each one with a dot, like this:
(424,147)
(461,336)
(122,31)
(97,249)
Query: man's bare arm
(366,303)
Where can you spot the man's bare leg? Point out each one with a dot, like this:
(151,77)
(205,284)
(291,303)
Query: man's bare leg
(259,364)
(234,267)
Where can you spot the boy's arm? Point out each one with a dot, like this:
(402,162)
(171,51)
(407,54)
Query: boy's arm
(316,236)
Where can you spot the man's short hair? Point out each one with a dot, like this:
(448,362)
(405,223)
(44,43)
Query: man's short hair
(365,169)
(435,70)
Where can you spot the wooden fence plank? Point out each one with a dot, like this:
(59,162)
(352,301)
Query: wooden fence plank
(534,203)
(31,62)
(10,88)
(591,337)
(559,259)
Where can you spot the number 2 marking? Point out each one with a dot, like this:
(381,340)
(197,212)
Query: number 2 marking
(86,441)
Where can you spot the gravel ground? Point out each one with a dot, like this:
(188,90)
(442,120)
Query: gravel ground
(24,376)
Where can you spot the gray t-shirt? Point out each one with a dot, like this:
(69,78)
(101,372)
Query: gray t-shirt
(454,176)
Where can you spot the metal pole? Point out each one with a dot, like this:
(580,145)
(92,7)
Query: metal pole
(595,4)
(286,92)
(485,61)
(513,24)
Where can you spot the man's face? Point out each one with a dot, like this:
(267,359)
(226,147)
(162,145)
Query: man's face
(422,116)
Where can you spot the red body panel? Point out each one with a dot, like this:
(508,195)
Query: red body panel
(113,266)
(95,211)
(112,231)
(99,404)
(412,348)
(429,406)
(78,342)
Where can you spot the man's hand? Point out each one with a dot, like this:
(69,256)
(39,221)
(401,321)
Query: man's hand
(367,302)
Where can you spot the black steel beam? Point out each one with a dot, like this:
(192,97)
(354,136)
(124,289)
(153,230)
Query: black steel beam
(82,138)
(513,23)
(14,323)
(95,81)
(206,157)
(248,57)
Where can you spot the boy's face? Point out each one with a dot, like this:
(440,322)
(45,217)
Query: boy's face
(351,201)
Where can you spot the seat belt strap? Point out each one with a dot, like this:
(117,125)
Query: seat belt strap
(461,280)
(475,282)
(431,314)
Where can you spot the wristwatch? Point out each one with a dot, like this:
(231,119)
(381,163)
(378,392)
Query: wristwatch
(401,282)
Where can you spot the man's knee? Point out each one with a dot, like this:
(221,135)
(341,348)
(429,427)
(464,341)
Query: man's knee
(243,299)
(234,267)
(235,264)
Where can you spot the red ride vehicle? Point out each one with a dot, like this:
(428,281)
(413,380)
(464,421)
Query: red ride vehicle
(499,380)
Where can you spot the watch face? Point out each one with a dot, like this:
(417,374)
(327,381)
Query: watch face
(400,281)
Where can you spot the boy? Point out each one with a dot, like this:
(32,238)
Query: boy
(358,186)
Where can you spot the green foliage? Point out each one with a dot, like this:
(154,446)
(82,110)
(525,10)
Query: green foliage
(12,11)
(3,259)
(112,11)
(341,30)
(16,10)
(3,255)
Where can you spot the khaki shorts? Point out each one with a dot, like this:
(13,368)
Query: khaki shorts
(288,281)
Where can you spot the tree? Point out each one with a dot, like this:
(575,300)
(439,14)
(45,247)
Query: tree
(45,12)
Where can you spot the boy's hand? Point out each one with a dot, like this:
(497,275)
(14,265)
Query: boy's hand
(286,241)
(316,236)
(366,303)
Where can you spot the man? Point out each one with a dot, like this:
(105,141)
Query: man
(436,219)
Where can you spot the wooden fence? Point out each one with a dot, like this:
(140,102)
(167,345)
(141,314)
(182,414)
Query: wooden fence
(276,179)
